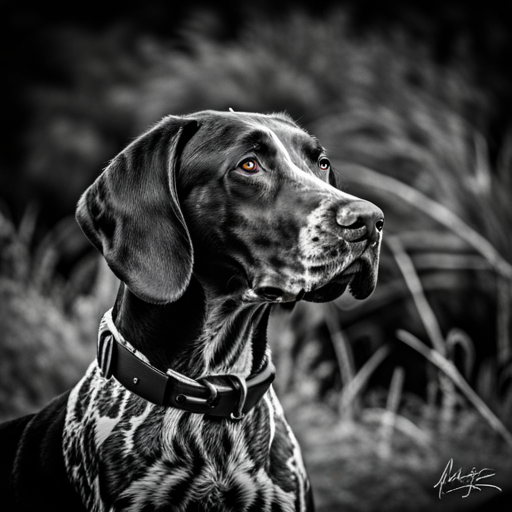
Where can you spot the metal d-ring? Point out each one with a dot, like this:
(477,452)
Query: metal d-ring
(242,387)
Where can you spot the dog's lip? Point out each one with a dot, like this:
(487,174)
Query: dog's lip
(336,285)
(280,294)
(349,272)
(272,294)
(344,278)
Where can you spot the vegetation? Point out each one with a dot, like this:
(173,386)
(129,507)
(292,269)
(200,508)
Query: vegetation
(382,393)
(47,329)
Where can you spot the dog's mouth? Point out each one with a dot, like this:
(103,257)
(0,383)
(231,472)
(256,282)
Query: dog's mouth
(360,278)
(337,285)
(353,278)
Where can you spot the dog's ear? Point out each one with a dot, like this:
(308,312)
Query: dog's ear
(132,215)
(332,178)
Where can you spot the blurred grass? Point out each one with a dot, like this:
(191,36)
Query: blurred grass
(47,331)
(388,452)
(378,421)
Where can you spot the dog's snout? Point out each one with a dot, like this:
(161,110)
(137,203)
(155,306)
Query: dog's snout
(361,220)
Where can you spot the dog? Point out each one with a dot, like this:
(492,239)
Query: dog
(208,220)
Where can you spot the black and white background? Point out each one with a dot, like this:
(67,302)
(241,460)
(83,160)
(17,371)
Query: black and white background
(413,102)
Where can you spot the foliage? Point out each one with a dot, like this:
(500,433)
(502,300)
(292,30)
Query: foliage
(47,329)
(380,390)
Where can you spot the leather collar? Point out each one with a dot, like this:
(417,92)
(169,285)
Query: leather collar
(216,395)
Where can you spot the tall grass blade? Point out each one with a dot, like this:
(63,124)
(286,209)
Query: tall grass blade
(415,287)
(389,417)
(487,382)
(341,347)
(27,225)
(503,321)
(344,356)
(457,337)
(44,264)
(401,423)
(451,371)
(19,246)
(7,229)
(482,183)
(504,163)
(433,209)
(357,384)
(429,321)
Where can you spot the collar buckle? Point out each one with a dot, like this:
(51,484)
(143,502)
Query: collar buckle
(211,401)
(226,395)
(241,384)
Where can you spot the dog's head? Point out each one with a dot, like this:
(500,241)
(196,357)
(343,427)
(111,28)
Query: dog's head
(245,202)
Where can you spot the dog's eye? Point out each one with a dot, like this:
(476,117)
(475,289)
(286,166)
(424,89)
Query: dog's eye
(324,164)
(249,166)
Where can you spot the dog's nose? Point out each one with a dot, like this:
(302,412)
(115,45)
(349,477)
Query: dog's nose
(361,220)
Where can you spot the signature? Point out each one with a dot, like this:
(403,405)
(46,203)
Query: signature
(471,481)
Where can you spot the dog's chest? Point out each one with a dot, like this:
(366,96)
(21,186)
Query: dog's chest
(123,453)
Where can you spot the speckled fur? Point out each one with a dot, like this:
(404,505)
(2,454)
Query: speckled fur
(203,249)
(125,454)
(231,238)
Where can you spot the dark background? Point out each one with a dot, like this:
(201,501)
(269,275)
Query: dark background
(38,52)
(413,102)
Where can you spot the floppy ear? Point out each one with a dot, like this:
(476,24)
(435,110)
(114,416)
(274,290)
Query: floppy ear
(131,214)
(332,178)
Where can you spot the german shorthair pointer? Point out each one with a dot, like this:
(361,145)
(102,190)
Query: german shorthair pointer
(208,220)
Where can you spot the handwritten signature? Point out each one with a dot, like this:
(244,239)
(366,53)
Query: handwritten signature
(471,481)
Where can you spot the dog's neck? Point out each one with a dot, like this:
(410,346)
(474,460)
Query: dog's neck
(201,333)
